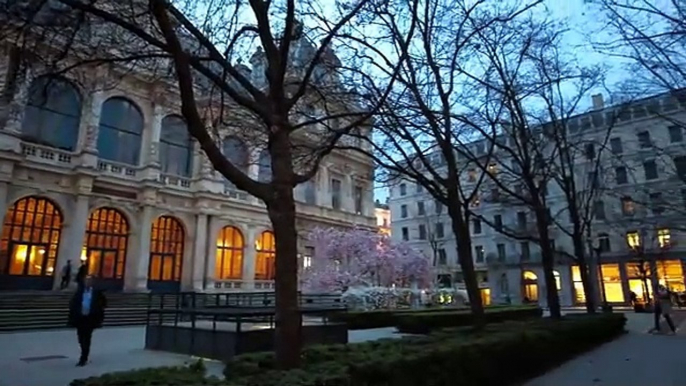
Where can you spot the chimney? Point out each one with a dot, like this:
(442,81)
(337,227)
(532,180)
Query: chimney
(598,102)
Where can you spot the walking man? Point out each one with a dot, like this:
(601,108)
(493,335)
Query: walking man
(66,275)
(86,313)
(81,274)
(663,302)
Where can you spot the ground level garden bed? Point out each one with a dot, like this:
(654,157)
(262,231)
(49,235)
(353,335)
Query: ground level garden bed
(497,354)
(412,320)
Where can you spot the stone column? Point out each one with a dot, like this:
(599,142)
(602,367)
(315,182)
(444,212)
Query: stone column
(152,156)
(199,255)
(348,200)
(211,254)
(72,238)
(137,276)
(249,258)
(324,189)
(566,286)
(3,201)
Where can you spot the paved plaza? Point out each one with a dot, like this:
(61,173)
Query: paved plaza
(47,358)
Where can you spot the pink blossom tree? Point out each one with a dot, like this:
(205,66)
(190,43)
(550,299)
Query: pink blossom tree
(345,258)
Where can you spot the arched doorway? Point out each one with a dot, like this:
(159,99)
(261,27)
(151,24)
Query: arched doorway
(166,254)
(529,287)
(30,241)
(265,266)
(107,238)
(229,258)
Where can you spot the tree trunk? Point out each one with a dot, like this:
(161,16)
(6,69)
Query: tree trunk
(589,288)
(548,261)
(281,210)
(464,255)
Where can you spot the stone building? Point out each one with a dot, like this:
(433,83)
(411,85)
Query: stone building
(637,232)
(96,166)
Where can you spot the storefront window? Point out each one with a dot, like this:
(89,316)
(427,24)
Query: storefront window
(579,294)
(486,296)
(671,275)
(639,279)
(612,283)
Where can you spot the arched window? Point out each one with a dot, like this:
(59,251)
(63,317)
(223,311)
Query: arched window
(265,266)
(120,131)
(265,167)
(236,151)
(53,113)
(530,287)
(176,147)
(107,239)
(229,254)
(30,238)
(166,249)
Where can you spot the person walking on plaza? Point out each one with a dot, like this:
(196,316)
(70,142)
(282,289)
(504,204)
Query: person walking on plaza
(81,274)
(86,313)
(663,306)
(66,275)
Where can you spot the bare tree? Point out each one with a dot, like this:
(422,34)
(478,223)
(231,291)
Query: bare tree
(420,135)
(651,36)
(298,99)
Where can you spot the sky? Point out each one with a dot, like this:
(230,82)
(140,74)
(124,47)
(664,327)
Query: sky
(584,24)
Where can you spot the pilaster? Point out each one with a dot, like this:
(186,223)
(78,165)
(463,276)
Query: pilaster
(137,271)
(73,237)
(199,255)
(249,258)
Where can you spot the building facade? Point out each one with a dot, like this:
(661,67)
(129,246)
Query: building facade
(383,218)
(637,231)
(97,167)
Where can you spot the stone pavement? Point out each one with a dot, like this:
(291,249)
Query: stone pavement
(48,358)
(636,359)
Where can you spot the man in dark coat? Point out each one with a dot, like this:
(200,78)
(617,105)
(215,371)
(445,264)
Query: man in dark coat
(86,313)
(81,275)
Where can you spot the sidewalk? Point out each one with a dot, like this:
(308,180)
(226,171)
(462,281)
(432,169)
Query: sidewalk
(636,359)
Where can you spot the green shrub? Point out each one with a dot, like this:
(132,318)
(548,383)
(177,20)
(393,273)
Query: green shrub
(423,323)
(501,354)
(193,375)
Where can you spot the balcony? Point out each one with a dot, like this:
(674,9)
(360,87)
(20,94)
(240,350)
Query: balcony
(175,181)
(46,155)
(116,169)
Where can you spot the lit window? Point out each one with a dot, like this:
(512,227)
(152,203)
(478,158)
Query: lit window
(471,175)
(628,207)
(663,237)
(633,240)
(493,169)
(476,201)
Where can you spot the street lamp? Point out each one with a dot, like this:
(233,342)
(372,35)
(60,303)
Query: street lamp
(596,246)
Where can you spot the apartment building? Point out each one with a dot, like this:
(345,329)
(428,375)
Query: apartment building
(637,231)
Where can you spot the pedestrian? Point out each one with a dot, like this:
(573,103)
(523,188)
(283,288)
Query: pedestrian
(66,275)
(663,302)
(86,313)
(81,274)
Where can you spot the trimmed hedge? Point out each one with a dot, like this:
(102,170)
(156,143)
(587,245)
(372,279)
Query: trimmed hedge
(499,354)
(362,320)
(423,323)
(193,375)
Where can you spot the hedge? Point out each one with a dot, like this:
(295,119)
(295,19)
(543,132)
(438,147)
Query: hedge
(362,320)
(499,354)
(423,323)
(193,375)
